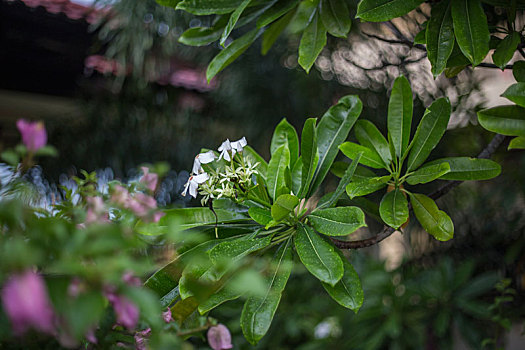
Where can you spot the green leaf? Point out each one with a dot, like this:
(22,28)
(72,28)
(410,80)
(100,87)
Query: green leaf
(400,115)
(285,134)
(208,7)
(436,222)
(429,173)
(234,17)
(275,178)
(260,215)
(194,217)
(429,131)
(274,31)
(440,36)
(471,29)
(200,36)
(231,52)
(297,174)
(336,17)
(254,157)
(369,136)
(258,312)
(505,120)
(361,173)
(366,186)
(312,42)
(345,180)
(279,9)
(348,291)
(309,155)
(506,49)
(318,256)
(223,294)
(465,168)
(516,93)
(420,37)
(384,10)
(10,157)
(517,143)
(47,151)
(333,129)
(394,208)
(369,157)
(518,70)
(283,206)
(234,250)
(340,221)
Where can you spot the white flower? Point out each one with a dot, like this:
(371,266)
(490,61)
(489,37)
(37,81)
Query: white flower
(239,144)
(193,184)
(225,147)
(202,158)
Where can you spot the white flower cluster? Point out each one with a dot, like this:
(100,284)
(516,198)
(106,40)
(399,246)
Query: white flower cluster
(228,176)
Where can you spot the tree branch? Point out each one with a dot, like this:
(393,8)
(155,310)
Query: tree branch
(486,153)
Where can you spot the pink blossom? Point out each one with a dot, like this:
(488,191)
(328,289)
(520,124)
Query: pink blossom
(149,179)
(141,204)
(131,279)
(219,337)
(34,135)
(90,336)
(120,196)
(140,339)
(26,303)
(166,316)
(96,211)
(127,313)
(157,216)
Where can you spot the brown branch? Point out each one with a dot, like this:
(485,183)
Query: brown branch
(449,185)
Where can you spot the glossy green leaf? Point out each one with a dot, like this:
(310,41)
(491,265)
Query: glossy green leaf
(258,311)
(369,136)
(394,208)
(312,42)
(309,155)
(195,217)
(440,36)
(336,17)
(384,10)
(436,222)
(223,294)
(318,256)
(280,8)
(518,70)
(348,291)
(285,134)
(208,7)
(275,177)
(369,157)
(506,120)
(231,52)
(399,119)
(333,129)
(234,17)
(345,180)
(516,93)
(471,29)
(361,173)
(234,250)
(274,31)
(517,143)
(428,173)
(254,157)
(420,37)
(283,206)
(366,186)
(465,168)
(429,131)
(260,215)
(297,174)
(340,221)
(200,36)
(506,49)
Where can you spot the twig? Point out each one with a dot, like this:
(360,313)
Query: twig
(387,231)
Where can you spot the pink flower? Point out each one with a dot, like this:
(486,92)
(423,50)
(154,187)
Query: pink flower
(34,135)
(150,180)
(219,337)
(131,280)
(157,215)
(166,316)
(26,303)
(120,196)
(140,339)
(141,204)
(127,313)
(95,211)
